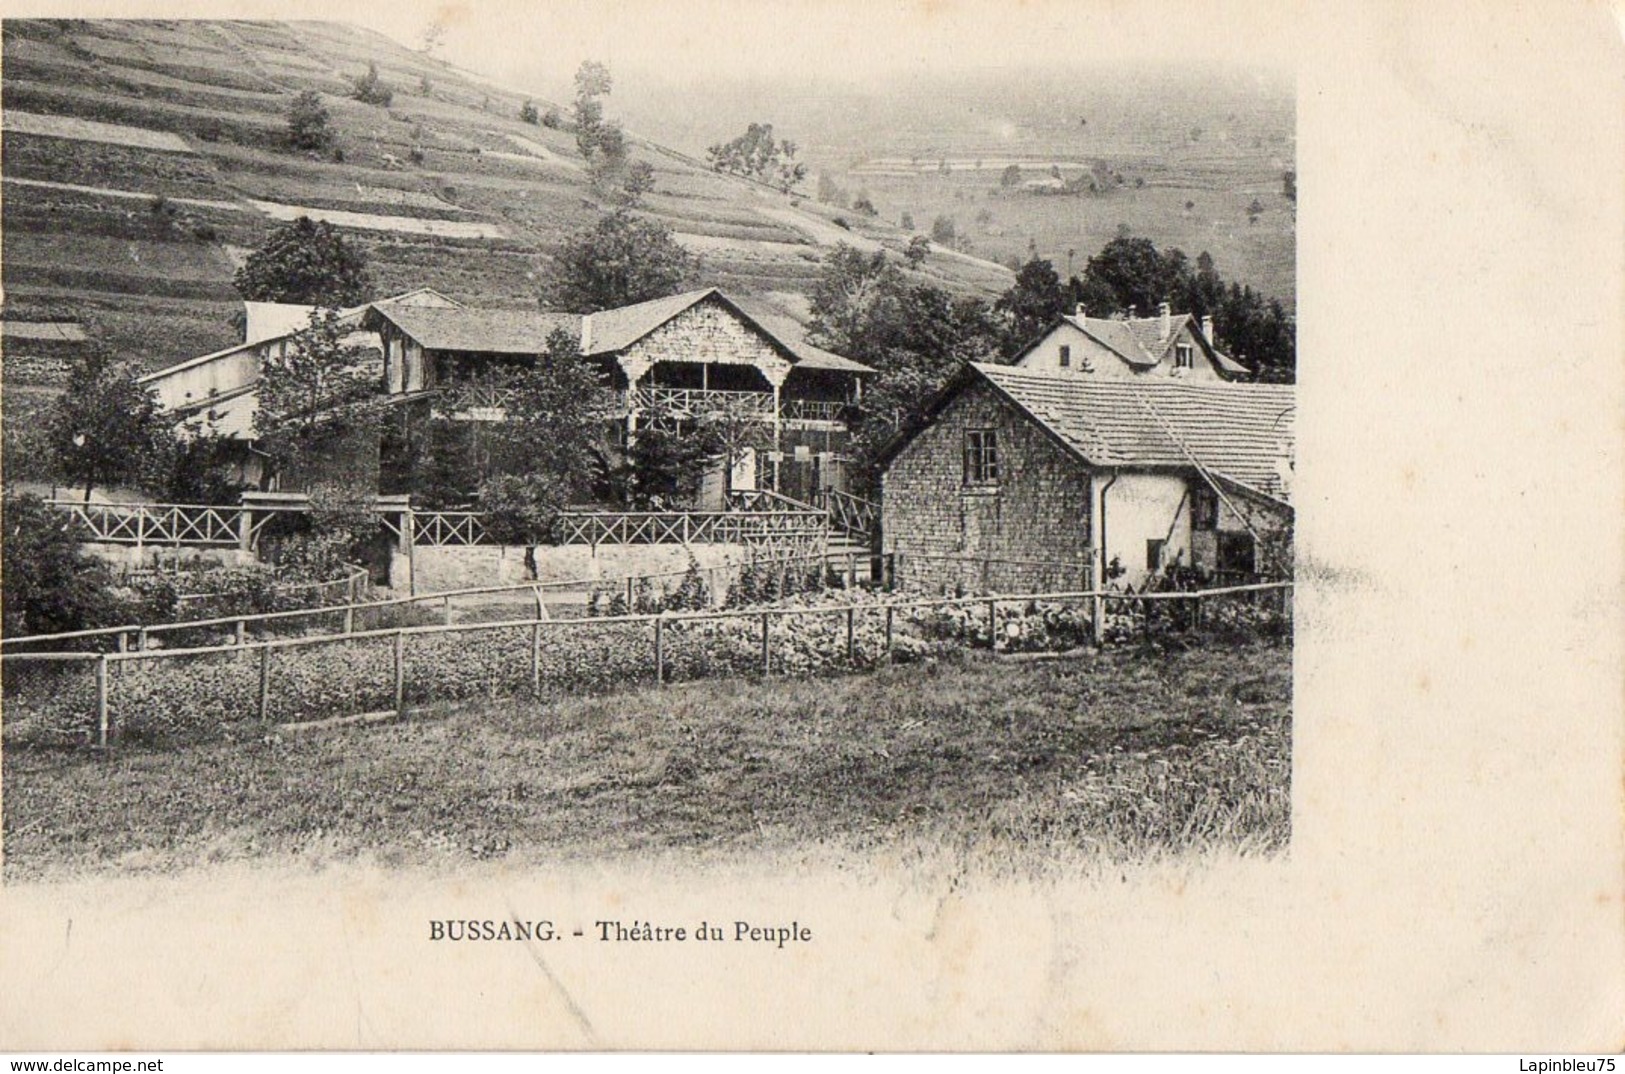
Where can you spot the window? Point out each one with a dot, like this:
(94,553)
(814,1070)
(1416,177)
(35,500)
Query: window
(1153,554)
(1184,356)
(1235,554)
(981,457)
(1204,509)
(1066,356)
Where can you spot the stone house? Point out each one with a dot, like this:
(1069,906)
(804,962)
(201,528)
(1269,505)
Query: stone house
(1167,345)
(1019,478)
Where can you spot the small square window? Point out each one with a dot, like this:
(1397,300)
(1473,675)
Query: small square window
(1153,554)
(1184,356)
(981,457)
(1066,356)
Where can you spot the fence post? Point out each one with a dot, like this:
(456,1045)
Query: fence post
(1196,612)
(265,683)
(242,636)
(851,640)
(851,570)
(536,659)
(888,633)
(445,610)
(1098,617)
(767,655)
(629,608)
(992,627)
(101,701)
(660,651)
(400,672)
(349,618)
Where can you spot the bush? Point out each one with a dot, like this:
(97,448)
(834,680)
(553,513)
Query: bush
(529,114)
(309,125)
(370,90)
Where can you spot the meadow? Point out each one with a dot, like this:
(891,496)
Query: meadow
(1007,763)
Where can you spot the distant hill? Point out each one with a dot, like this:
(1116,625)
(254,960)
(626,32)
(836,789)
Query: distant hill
(143,160)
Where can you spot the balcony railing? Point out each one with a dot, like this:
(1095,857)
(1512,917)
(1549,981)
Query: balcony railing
(692,404)
(143,524)
(813,410)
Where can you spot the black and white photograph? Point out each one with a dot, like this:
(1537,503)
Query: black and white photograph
(774,526)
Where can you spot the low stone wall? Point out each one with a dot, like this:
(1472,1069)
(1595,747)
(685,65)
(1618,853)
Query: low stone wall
(468,567)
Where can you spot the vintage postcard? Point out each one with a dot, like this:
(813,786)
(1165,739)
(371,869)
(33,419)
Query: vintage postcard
(812,526)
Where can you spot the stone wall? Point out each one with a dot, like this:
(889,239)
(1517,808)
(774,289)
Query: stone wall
(1037,511)
(470,567)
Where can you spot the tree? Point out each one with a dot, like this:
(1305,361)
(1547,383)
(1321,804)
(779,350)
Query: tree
(618,261)
(915,253)
(313,393)
(865,206)
(592,84)
(1032,303)
(640,180)
(756,155)
(308,263)
(369,89)
(105,429)
(944,232)
(309,125)
(609,159)
(522,509)
(529,114)
(1010,177)
(47,583)
(198,465)
(1254,211)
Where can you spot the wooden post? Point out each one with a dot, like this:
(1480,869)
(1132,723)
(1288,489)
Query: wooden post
(992,626)
(101,701)
(889,611)
(851,640)
(536,659)
(1196,612)
(630,609)
(400,672)
(445,610)
(851,570)
(767,655)
(265,684)
(349,618)
(660,652)
(141,639)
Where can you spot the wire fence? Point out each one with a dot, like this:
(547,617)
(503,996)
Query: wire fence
(246,691)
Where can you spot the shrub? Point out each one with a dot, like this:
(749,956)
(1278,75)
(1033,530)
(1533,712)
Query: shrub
(309,125)
(528,113)
(370,90)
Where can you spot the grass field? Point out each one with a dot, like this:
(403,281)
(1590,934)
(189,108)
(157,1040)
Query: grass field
(1018,765)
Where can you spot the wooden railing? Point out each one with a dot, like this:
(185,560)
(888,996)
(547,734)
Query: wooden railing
(143,524)
(691,404)
(440,529)
(689,527)
(852,515)
(813,410)
(765,500)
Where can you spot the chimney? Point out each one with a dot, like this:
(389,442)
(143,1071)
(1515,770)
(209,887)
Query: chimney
(1080,314)
(1207,331)
(1133,312)
(1167,314)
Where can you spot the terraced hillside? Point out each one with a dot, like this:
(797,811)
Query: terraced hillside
(143,159)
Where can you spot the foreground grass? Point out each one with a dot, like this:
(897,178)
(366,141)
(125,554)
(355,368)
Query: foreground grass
(1003,764)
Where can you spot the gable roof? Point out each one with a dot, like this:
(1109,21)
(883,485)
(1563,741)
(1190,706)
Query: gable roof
(482,331)
(1139,340)
(1239,432)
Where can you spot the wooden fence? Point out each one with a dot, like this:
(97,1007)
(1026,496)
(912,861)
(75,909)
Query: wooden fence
(248,680)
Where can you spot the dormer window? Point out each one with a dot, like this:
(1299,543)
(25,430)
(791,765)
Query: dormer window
(1066,356)
(1184,356)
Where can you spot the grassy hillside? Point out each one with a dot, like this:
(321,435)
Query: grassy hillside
(104,118)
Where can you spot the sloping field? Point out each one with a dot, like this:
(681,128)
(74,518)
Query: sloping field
(61,126)
(445,188)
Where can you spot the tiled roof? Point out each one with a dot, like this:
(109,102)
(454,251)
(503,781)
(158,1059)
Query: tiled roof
(482,331)
(1140,342)
(794,338)
(1242,432)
